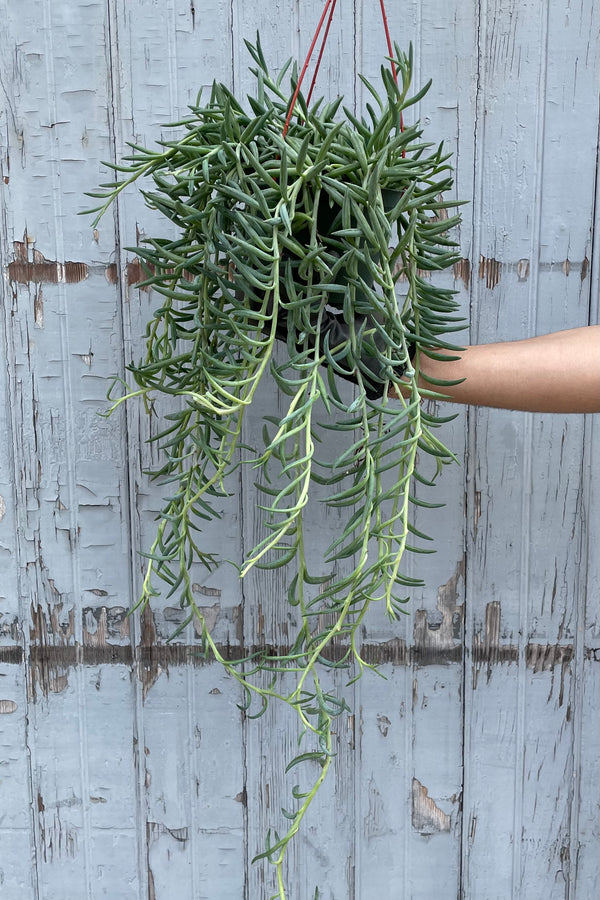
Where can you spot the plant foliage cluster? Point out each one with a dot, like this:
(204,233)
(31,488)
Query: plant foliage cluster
(342,217)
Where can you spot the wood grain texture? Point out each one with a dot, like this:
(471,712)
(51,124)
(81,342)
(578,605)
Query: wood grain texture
(126,768)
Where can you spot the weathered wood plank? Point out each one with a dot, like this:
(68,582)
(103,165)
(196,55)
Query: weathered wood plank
(410,796)
(194,786)
(190,826)
(18,874)
(64,470)
(523,560)
(18,868)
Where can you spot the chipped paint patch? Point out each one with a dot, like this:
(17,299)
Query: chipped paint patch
(7,707)
(159,657)
(487,648)
(489,271)
(58,840)
(584,268)
(11,656)
(149,668)
(134,274)
(205,590)
(489,651)
(38,269)
(523,269)
(209,614)
(438,635)
(38,308)
(383,724)
(156,830)
(393,651)
(47,671)
(462,271)
(103,623)
(427,817)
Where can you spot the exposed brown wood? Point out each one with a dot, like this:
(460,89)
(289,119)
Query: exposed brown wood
(151,657)
(427,817)
(35,269)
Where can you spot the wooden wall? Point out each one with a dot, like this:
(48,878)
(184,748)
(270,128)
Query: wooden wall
(126,769)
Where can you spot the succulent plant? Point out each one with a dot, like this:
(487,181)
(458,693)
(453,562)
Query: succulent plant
(324,236)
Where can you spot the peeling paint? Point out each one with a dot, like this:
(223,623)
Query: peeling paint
(38,308)
(151,887)
(10,627)
(351,730)
(438,640)
(487,649)
(489,270)
(260,621)
(440,637)
(584,268)
(7,707)
(427,817)
(38,269)
(210,614)
(206,591)
(47,671)
(545,657)
(476,511)
(523,269)
(393,651)
(165,656)
(102,623)
(148,667)
(383,724)
(11,655)
(135,274)
(155,830)
(462,271)
(57,839)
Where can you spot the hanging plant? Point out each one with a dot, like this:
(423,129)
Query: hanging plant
(314,228)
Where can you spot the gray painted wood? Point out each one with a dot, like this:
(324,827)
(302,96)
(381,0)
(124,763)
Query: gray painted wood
(126,768)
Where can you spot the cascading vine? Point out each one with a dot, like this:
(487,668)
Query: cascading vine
(344,218)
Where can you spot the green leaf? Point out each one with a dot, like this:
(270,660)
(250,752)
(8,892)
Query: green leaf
(305,757)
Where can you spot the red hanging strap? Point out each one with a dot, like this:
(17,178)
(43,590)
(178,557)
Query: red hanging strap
(391,53)
(329,3)
(330,8)
(318,65)
(388,38)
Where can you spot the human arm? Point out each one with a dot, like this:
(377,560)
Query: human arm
(558,372)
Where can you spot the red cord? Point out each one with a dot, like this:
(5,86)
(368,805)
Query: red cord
(305,66)
(312,85)
(330,6)
(388,38)
(391,53)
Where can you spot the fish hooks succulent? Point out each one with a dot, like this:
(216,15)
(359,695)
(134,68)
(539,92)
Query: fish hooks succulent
(325,240)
